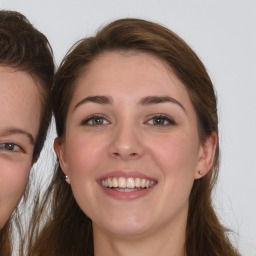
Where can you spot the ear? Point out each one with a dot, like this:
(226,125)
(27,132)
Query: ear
(59,148)
(206,155)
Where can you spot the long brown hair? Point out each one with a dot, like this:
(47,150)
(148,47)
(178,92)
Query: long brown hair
(68,231)
(24,48)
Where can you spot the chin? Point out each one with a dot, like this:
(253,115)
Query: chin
(126,227)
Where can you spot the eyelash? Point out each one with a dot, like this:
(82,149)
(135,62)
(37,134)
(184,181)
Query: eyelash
(12,149)
(93,118)
(167,120)
(164,120)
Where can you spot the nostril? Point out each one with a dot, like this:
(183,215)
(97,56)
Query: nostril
(124,155)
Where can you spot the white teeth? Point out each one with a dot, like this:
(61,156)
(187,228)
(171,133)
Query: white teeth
(105,183)
(137,182)
(143,183)
(109,182)
(151,183)
(130,183)
(127,184)
(114,183)
(121,182)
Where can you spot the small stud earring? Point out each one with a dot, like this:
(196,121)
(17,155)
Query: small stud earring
(201,172)
(66,177)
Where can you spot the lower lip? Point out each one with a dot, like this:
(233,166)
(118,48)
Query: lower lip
(127,195)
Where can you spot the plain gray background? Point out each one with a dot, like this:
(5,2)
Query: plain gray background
(223,34)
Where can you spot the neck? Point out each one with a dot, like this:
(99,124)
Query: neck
(167,241)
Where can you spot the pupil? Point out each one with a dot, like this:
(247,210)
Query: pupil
(159,121)
(9,146)
(98,121)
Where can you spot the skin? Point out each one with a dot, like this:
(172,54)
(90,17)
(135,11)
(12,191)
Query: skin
(127,140)
(19,124)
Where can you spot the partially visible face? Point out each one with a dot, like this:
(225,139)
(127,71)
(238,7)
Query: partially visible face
(20,109)
(131,148)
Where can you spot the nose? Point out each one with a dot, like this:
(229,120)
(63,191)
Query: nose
(126,143)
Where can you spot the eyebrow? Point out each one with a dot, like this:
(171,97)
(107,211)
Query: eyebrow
(149,100)
(95,99)
(160,99)
(19,131)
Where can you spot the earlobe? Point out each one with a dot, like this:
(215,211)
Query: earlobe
(206,155)
(59,149)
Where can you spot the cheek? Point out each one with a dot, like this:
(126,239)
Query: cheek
(83,153)
(177,157)
(176,152)
(13,180)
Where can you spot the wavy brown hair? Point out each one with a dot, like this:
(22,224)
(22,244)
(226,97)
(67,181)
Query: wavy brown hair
(24,48)
(67,230)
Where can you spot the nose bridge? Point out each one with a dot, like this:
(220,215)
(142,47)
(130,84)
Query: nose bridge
(126,140)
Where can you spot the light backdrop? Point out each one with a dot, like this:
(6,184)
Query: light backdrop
(223,34)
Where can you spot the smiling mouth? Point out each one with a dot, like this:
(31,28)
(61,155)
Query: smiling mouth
(122,184)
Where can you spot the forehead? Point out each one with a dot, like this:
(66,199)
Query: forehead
(19,100)
(15,85)
(126,71)
(129,74)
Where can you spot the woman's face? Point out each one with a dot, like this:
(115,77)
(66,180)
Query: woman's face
(131,148)
(20,110)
